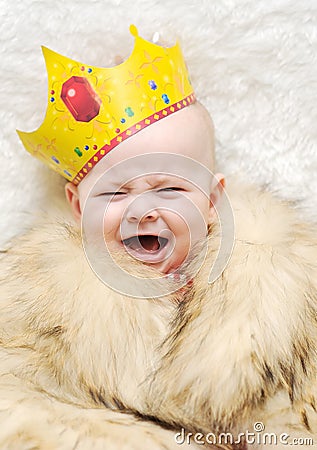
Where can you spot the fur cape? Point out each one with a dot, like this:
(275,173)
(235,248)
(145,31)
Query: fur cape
(82,366)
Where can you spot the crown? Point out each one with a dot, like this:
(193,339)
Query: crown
(91,110)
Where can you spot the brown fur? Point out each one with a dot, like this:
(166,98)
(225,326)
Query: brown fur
(85,367)
(245,347)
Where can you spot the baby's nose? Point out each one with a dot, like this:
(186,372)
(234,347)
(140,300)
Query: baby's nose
(142,209)
(136,215)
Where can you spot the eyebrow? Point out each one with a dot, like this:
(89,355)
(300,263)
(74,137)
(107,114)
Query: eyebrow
(108,183)
(155,180)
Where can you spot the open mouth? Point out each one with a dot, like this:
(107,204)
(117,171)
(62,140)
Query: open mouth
(148,243)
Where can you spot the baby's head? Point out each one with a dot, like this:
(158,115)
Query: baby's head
(154,194)
(137,149)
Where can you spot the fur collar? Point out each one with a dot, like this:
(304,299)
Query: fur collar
(251,336)
(79,340)
(212,361)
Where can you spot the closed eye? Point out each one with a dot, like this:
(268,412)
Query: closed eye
(171,189)
(113,193)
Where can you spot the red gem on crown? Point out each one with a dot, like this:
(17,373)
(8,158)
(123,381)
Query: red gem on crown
(80,99)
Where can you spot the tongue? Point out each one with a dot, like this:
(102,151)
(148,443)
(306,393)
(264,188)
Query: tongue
(150,243)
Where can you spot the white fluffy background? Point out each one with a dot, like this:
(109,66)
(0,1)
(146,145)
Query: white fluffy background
(252,63)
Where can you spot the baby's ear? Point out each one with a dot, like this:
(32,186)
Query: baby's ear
(72,196)
(219,183)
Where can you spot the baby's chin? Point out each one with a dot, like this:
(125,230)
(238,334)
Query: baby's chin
(170,265)
(164,267)
(186,263)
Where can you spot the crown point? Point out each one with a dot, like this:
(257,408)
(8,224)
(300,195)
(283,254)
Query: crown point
(134,31)
(77,91)
(46,51)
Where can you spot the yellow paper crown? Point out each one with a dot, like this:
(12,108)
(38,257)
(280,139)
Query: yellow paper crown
(91,110)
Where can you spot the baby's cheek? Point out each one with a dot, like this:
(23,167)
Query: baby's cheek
(92,217)
(194,213)
(112,218)
(203,206)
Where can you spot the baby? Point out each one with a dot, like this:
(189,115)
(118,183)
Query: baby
(238,356)
(147,184)
(160,216)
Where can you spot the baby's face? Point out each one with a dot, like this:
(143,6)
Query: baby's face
(151,196)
